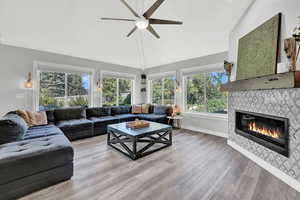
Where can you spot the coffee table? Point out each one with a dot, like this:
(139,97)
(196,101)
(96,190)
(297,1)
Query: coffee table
(137,143)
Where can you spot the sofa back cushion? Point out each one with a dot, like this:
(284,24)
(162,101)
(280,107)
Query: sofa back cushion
(98,112)
(12,128)
(69,114)
(125,109)
(115,110)
(161,110)
(50,116)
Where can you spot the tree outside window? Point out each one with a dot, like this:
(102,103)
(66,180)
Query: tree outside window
(58,89)
(116,91)
(203,93)
(163,91)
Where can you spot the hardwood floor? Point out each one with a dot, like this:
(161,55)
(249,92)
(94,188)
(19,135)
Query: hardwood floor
(196,167)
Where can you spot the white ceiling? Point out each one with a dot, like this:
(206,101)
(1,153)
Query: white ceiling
(70,27)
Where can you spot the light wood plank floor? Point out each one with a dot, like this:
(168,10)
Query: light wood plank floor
(196,167)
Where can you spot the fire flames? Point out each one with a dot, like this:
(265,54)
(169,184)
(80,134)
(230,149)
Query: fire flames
(264,130)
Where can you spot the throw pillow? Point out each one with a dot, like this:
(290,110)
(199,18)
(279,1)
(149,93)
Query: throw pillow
(23,114)
(145,108)
(136,109)
(12,128)
(38,118)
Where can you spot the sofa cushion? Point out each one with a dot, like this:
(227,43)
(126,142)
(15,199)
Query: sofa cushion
(126,116)
(99,120)
(152,117)
(73,124)
(69,114)
(12,128)
(160,110)
(50,116)
(98,112)
(125,109)
(42,131)
(115,110)
(29,157)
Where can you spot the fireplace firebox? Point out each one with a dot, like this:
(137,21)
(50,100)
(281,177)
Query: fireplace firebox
(269,131)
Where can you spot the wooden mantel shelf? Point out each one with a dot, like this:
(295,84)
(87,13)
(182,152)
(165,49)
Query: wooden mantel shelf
(276,81)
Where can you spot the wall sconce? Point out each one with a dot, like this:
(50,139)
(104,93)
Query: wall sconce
(99,86)
(28,84)
(177,89)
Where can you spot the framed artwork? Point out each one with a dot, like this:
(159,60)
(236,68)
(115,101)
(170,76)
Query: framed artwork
(258,50)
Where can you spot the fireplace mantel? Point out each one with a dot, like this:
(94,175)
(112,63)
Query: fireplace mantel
(276,81)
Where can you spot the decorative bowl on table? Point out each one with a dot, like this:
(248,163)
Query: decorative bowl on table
(138,124)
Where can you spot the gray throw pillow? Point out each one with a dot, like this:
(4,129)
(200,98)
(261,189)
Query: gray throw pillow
(12,128)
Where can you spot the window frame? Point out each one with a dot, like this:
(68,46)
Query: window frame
(150,89)
(131,78)
(39,67)
(184,99)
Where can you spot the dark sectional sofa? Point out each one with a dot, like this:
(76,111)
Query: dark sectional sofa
(37,157)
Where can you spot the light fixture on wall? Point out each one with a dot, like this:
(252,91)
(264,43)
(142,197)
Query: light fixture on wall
(28,84)
(177,89)
(296,35)
(99,86)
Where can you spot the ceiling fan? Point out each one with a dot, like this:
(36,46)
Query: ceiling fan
(145,21)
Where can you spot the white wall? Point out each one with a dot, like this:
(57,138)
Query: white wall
(259,12)
(216,125)
(15,63)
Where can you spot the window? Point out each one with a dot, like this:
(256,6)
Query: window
(163,91)
(116,91)
(203,93)
(59,89)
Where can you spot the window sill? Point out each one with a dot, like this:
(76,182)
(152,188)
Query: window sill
(207,115)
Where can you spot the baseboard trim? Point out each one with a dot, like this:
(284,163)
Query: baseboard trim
(273,170)
(207,131)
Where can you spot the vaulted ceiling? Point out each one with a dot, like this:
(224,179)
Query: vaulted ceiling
(72,27)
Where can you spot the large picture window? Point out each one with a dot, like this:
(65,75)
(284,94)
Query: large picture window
(202,93)
(116,91)
(59,89)
(163,91)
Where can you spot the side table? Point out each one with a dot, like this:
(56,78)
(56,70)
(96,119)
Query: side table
(176,121)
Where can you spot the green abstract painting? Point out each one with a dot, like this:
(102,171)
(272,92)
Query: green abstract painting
(257,55)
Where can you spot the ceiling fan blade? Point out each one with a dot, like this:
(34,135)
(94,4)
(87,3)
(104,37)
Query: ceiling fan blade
(128,6)
(117,19)
(152,9)
(151,30)
(162,21)
(133,30)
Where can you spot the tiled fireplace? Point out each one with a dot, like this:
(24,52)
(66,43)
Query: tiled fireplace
(266,123)
(270,131)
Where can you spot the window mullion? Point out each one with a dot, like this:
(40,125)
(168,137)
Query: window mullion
(205,92)
(118,91)
(66,90)
(162,92)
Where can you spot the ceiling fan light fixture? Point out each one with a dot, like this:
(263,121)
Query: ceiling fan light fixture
(142,23)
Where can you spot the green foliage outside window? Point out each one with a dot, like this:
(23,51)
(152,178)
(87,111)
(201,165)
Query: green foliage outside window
(203,93)
(163,91)
(116,91)
(63,90)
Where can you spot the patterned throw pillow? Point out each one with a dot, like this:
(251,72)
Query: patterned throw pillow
(145,108)
(23,114)
(38,118)
(136,109)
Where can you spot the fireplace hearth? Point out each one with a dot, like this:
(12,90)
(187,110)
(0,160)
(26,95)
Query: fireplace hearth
(269,131)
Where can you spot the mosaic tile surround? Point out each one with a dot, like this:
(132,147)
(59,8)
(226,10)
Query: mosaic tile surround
(279,102)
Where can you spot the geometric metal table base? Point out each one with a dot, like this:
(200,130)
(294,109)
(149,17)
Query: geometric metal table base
(128,143)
